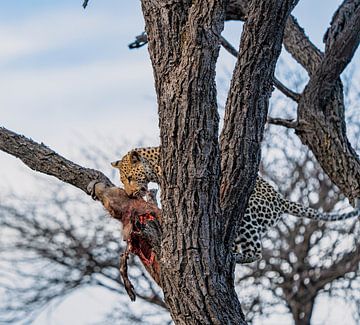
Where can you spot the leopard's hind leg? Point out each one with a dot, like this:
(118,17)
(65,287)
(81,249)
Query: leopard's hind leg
(247,248)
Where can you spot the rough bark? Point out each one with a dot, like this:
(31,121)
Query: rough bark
(277,83)
(195,271)
(300,47)
(320,120)
(41,158)
(196,266)
(344,172)
(205,189)
(247,106)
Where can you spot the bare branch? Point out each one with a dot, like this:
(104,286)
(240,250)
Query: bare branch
(286,91)
(321,121)
(304,259)
(228,47)
(278,84)
(247,105)
(297,43)
(291,124)
(342,40)
(295,40)
(186,91)
(42,159)
(348,262)
(85,3)
(63,257)
(140,41)
(120,206)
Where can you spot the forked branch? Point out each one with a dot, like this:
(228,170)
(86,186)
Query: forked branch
(42,159)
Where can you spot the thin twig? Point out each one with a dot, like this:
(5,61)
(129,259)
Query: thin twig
(140,41)
(228,46)
(286,91)
(279,85)
(85,3)
(291,124)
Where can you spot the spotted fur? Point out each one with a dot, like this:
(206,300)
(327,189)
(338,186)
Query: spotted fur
(138,168)
(266,206)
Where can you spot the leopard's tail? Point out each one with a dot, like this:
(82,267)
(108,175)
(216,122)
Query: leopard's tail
(299,210)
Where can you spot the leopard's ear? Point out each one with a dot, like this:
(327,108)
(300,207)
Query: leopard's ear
(116,164)
(134,157)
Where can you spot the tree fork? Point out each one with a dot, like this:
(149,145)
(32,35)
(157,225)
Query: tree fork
(184,38)
(320,122)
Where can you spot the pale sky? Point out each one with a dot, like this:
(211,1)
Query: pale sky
(68,79)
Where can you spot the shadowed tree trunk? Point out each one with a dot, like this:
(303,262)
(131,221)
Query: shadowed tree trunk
(200,211)
(301,312)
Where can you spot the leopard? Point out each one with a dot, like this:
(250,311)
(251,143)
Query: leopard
(265,208)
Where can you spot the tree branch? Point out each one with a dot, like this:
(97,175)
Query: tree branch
(184,46)
(236,10)
(85,3)
(42,159)
(349,262)
(295,40)
(228,47)
(297,43)
(291,124)
(286,91)
(247,106)
(342,39)
(278,84)
(321,121)
(321,108)
(141,40)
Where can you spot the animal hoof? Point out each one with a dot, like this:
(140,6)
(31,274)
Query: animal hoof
(91,189)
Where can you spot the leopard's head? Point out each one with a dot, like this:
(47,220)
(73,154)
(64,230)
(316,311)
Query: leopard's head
(135,173)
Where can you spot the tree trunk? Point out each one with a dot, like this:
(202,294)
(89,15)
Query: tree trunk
(196,263)
(247,106)
(196,268)
(302,312)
